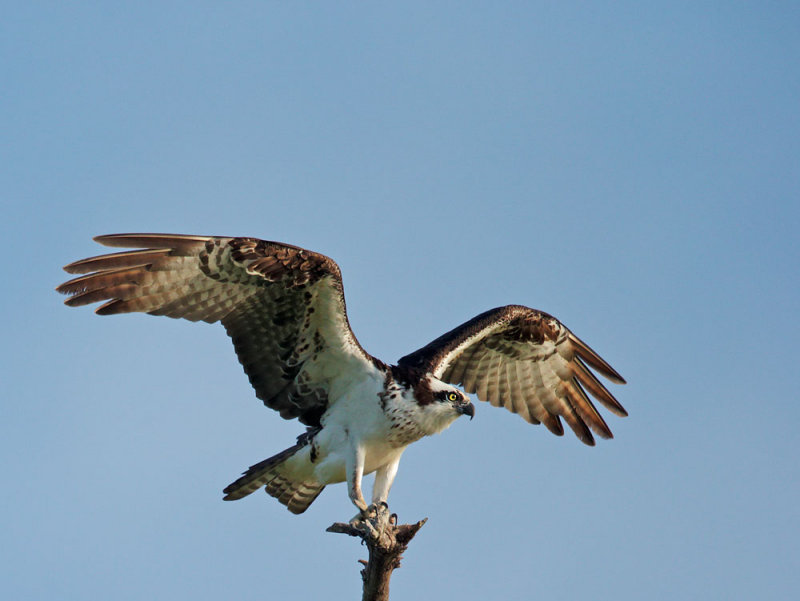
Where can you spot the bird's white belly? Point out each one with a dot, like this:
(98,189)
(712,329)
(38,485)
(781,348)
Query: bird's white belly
(354,421)
(331,464)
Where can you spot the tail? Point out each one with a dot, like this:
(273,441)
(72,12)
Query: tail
(297,495)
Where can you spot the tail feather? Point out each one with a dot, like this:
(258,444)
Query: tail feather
(296,495)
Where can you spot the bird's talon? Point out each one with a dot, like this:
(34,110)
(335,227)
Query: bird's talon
(374,533)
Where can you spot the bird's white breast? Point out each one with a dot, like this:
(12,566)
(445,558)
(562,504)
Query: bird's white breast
(354,419)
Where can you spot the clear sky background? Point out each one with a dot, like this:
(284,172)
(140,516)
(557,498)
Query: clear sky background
(632,168)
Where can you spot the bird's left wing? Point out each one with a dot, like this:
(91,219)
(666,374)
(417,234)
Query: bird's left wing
(283,306)
(528,362)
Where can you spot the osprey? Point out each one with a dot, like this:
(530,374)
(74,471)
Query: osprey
(284,308)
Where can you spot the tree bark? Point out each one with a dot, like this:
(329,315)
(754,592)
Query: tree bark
(386,541)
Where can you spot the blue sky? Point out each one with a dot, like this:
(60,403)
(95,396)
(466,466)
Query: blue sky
(632,169)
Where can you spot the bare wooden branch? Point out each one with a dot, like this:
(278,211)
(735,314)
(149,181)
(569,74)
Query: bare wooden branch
(386,541)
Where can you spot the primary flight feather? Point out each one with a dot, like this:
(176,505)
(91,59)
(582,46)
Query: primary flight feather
(284,308)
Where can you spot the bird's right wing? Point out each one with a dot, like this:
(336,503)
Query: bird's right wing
(282,306)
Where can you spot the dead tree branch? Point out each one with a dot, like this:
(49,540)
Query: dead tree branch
(386,541)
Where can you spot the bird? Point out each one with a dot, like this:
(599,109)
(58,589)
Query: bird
(284,309)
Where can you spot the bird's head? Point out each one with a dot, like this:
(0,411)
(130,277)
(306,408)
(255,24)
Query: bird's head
(454,399)
(440,404)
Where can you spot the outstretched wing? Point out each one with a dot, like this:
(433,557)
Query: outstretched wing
(528,362)
(283,306)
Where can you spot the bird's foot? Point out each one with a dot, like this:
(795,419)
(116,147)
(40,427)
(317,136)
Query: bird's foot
(363,511)
(381,512)
(374,519)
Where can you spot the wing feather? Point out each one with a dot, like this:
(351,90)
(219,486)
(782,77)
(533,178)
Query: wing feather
(596,388)
(522,380)
(478,362)
(504,386)
(493,377)
(553,407)
(484,369)
(516,397)
(283,306)
(515,356)
(133,258)
(577,397)
(586,353)
(455,371)
(560,403)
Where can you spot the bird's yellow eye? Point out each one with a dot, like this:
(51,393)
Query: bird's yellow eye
(452,397)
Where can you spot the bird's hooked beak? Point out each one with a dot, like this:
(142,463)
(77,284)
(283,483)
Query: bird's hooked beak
(467,409)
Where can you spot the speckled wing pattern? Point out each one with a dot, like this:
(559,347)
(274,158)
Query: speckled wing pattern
(282,306)
(528,362)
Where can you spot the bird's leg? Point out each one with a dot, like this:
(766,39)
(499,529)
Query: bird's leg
(384,477)
(377,515)
(355,472)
